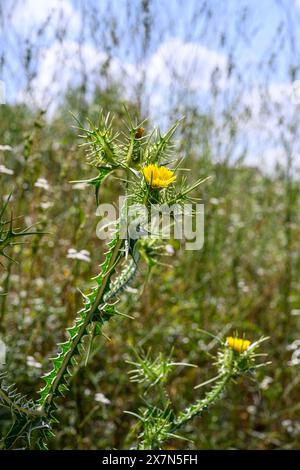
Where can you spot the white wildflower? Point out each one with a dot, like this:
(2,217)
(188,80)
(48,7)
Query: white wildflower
(5,148)
(266,383)
(102,399)
(6,171)
(170,250)
(42,183)
(82,255)
(31,362)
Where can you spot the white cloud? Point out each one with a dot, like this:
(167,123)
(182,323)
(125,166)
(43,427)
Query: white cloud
(188,63)
(175,65)
(267,158)
(175,68)
(271,130)
(60,68)
(30,15)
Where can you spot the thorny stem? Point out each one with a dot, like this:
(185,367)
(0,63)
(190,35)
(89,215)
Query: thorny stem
(82,330)
(11,404)
(201,405)
(188,414)
(130,150)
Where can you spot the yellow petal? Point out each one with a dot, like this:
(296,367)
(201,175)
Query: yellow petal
(238,344)
(158,177)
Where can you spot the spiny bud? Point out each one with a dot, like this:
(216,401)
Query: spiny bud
(139,133)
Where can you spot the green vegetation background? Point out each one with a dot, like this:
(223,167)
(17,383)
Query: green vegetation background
(246,278)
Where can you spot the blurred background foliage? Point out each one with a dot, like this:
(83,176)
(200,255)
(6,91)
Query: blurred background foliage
(232,71)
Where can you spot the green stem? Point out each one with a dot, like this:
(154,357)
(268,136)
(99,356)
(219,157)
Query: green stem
(4,296)
(67,359)
(130,150)
(158,438)
(201,405)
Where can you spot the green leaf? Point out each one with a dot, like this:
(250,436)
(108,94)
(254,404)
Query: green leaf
(97,180)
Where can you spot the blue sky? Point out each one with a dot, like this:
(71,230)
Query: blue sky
(248,42)
(189,51)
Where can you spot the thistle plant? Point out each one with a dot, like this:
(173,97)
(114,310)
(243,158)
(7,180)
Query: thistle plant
(158,422)
(146,165)
(24,412)
(149,171)
(9,234)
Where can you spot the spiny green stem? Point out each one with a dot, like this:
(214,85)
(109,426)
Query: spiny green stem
(201,405)
(67,359)
(130,150)
(161,432)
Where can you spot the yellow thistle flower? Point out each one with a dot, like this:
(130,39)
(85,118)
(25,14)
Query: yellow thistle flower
(237,344)
(158,177)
